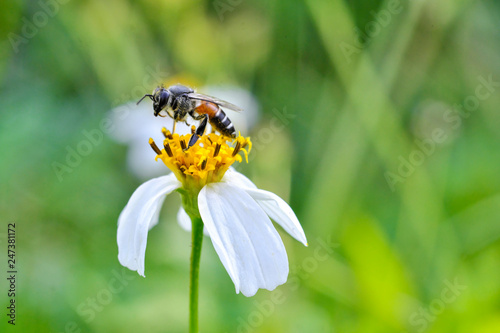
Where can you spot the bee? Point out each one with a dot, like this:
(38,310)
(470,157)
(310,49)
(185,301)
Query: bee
(179,101)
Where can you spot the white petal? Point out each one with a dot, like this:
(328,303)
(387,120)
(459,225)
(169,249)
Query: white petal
(245,239)
(273,205)
(237,179)
(139,215)
(280,212)
(185,221)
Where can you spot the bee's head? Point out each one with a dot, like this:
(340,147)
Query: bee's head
(160,98)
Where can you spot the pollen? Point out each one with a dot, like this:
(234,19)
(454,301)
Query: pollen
(206,161)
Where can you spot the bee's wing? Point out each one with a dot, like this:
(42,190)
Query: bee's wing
(215,100)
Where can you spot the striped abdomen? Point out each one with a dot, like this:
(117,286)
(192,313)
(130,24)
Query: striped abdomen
(218,119)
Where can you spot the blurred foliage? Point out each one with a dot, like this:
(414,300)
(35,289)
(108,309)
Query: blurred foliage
(357,111)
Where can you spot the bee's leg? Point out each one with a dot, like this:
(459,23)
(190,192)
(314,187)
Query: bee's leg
(173,129)
(199,132)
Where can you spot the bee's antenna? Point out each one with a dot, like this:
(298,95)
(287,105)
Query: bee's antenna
(150,96)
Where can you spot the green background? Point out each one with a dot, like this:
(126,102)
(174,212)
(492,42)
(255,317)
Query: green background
(398,193)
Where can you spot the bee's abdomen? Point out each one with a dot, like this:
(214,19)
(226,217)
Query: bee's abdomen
(218,118)
(223,124)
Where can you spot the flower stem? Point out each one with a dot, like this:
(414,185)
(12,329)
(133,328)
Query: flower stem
(197,240)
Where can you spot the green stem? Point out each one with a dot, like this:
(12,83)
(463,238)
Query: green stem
(197,240)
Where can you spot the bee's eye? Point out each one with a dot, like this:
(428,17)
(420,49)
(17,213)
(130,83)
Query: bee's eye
(163,97)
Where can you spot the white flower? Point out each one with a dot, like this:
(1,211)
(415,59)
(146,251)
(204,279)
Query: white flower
(236,215)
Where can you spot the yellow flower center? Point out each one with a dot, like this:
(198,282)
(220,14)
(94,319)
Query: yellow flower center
(205,162)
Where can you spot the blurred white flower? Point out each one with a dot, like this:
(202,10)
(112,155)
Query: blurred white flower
(242,121)
(134,125)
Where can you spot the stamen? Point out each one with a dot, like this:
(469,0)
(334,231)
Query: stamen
(154,146)
(166,133)
(217,150)
(203,162)
(168,149)
(237,148)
